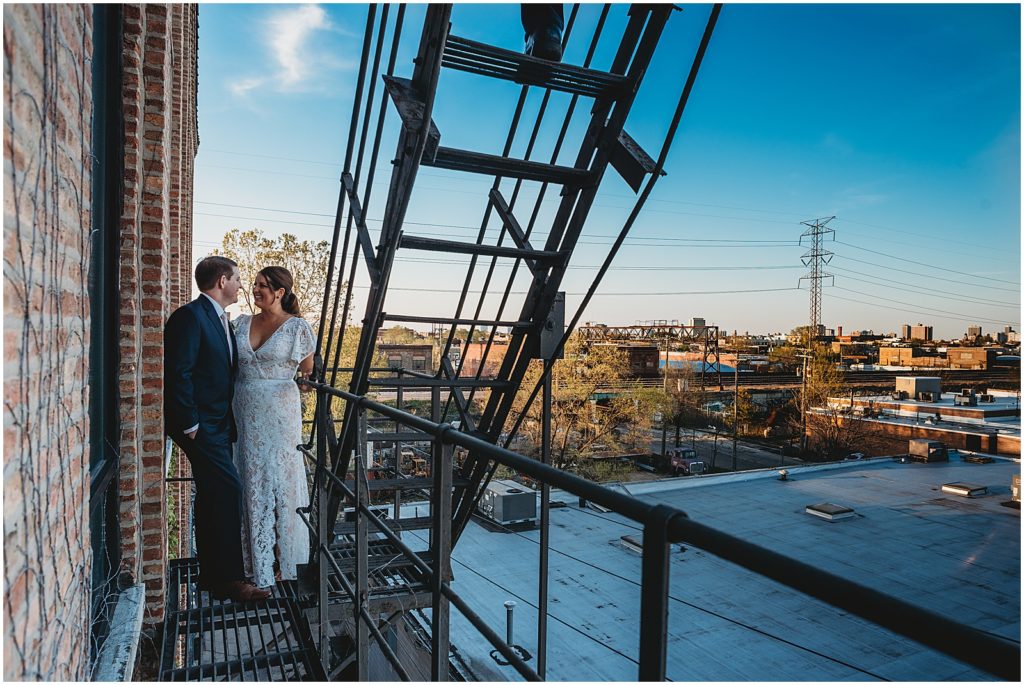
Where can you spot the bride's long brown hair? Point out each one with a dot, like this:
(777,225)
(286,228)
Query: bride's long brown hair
(279,277)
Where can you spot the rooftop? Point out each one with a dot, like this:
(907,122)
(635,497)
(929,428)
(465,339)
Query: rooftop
(1001,415)
(949,554)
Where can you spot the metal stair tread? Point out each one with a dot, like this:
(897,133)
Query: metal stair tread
(497,165)
(489,60)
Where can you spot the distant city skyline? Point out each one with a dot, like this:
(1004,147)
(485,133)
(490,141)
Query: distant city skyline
(902,121)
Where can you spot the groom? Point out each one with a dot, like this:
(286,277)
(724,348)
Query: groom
(200,363)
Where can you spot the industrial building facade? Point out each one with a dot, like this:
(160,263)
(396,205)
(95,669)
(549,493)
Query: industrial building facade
(100,134)
(411,357)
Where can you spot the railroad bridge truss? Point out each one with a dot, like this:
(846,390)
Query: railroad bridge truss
(376,598)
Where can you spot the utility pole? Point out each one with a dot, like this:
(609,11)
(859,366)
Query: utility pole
(816,258)
(714,456)
(735,407)
(664,390)
(803,404)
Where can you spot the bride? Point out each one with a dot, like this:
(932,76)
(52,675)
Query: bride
(271,346)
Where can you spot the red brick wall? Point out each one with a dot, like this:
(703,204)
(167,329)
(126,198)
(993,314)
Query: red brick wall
(184,145)
(160,142)
(47,196)
(47,200)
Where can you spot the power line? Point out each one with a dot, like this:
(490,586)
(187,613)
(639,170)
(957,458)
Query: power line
(931,248)
(627,294)
(929,236)
(699,242)
(904,259)
(932,293)
(385,167)
(915,311)
(458,226)
(941,312)
(426,260)
(929,276)
(550,200)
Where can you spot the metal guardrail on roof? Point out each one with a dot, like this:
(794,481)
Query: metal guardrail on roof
(662,526)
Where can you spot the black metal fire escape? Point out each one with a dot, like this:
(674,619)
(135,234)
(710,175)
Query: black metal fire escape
(365,576)
(611,94)
(419,145)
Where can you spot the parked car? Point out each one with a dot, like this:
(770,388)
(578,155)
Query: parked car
(854,456)
(683,461)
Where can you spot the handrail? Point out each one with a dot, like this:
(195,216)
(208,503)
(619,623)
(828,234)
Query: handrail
(323,550)
(984,651)
(506,650)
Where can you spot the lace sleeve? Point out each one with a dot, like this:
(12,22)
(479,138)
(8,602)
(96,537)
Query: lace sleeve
(304,343)
(236,323)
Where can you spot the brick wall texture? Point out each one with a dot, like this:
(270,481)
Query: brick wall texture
(47,197)
(47,194)
(161,139)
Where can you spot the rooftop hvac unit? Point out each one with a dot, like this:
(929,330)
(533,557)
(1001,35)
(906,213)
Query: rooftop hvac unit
(923,449)
(967,392)
(965,400)
(900,395)
(926,396)
(986,398)
(1015,487)
(508,502)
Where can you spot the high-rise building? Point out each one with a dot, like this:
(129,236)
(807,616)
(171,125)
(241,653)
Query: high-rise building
(973,332)
(905,331)
(920,332)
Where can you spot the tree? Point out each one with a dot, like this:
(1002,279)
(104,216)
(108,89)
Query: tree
(747,411)
(786,355)
(479,334)
(401,335)
(832,429)
(307,260)
(585,421)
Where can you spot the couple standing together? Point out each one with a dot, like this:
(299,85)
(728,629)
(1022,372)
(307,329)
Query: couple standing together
(232,405)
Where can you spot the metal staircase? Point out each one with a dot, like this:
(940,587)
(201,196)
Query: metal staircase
(419,145)
(364,566)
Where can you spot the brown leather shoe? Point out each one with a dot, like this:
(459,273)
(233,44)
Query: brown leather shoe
(240,591)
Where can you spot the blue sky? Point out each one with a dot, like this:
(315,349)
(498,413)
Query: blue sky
(903,121)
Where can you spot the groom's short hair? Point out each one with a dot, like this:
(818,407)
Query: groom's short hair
(210,269)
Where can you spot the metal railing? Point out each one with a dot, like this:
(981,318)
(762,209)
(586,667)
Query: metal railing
(662,526)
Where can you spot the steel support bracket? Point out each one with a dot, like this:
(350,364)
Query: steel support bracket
(632,163)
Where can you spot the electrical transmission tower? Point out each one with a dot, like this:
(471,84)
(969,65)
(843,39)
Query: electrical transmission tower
(816,258)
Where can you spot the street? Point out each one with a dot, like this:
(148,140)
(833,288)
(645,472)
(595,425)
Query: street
(748,456)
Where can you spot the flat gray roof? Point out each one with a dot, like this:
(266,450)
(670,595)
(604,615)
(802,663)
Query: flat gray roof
(956,556)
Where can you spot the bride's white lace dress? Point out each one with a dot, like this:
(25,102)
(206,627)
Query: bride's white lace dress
(268,414)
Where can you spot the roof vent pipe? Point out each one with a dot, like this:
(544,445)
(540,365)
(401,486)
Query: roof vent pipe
(510,608)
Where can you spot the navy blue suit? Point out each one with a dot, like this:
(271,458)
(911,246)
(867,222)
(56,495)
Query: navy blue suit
(199,376)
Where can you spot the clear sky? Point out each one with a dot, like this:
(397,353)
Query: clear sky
(902,121)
